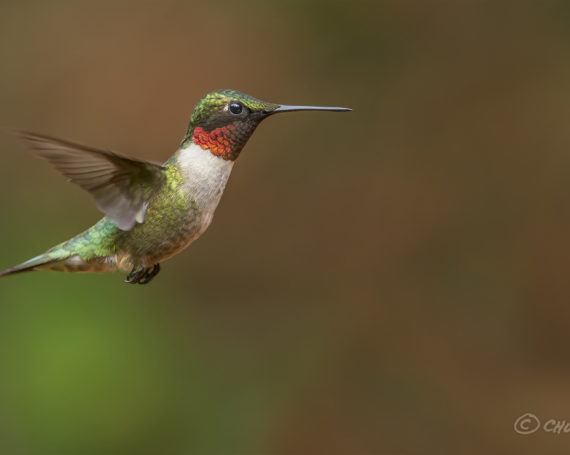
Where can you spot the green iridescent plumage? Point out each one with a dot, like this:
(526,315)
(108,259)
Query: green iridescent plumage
(165,211)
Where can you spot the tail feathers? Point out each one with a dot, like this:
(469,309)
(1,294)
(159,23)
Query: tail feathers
(60,261)
(32,264)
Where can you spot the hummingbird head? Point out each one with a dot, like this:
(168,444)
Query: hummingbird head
(224,120)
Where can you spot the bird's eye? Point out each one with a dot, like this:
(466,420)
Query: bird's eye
(236,107)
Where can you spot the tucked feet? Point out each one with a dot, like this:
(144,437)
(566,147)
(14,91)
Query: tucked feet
(142,275)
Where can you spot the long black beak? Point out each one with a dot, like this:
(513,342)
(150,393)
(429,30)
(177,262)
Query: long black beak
(285,108)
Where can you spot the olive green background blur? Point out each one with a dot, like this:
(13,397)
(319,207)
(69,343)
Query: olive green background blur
(390,281)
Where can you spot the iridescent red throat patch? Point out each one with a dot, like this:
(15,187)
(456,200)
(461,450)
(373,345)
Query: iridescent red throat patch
(225,141)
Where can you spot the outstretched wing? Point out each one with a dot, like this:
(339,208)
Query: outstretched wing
(121,186)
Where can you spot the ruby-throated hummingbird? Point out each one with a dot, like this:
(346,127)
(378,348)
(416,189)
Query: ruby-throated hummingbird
(152,211)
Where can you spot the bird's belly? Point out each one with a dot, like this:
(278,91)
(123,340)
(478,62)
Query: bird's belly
(178,241)
(154,243)
(160,237)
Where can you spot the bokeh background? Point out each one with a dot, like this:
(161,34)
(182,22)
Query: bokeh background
(390,281)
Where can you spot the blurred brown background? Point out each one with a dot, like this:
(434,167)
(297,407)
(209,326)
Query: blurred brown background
(389,281)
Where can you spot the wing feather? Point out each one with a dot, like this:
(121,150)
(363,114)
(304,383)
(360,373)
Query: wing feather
(121,186)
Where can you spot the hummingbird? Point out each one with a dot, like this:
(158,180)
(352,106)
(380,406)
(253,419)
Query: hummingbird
(152,211)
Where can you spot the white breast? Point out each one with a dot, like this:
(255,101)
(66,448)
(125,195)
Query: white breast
(205,176)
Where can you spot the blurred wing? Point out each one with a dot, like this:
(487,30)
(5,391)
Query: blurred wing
(121,186)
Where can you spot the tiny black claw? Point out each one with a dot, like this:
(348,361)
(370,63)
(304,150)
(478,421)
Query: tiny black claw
(135,275)
(142,275)
(149,274)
